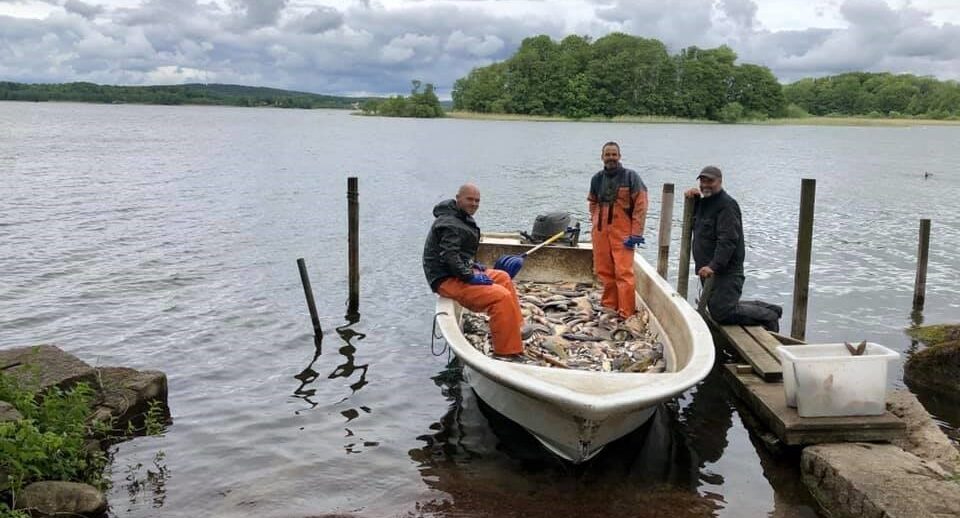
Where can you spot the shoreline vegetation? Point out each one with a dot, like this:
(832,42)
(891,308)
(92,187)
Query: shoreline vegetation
(811,120)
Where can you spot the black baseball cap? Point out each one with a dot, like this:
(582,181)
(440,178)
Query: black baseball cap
(710,172)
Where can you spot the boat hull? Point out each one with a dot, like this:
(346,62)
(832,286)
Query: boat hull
(560,430)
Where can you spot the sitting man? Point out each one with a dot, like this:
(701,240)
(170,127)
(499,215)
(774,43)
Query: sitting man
(718,251)
(448,262)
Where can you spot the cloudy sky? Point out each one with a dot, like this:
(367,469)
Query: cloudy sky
(378,46)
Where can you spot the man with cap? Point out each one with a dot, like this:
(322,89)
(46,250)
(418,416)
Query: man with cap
(618,212)
(718,253)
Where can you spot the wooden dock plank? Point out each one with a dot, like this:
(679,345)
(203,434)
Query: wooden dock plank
(765,339)
(765,365)
(768,403)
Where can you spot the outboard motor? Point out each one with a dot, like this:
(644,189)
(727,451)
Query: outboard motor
(548,225)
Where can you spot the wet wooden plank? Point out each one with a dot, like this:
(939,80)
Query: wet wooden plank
(767,341)
(768,403)
(765,365)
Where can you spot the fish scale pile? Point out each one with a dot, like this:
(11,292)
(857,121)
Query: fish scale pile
(565,326)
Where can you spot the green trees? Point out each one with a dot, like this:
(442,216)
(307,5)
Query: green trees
(620,74)
(423,104)
(876,95)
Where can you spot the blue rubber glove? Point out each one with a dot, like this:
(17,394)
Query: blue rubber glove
(510,264)
(478,266)
(633,241)
(480,278)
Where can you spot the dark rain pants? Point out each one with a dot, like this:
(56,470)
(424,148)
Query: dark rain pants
(726,307)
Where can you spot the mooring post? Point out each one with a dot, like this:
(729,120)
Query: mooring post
(311,306)
(801,276)
(923,254)
(683,274)
(666,224)
(353,242)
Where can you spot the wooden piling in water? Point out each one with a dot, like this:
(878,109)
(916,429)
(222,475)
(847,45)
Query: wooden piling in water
(801,278)
(666,224)
(311,305)
(683,274)
(353,242)
(923,255)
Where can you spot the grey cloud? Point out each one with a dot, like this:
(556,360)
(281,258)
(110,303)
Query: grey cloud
(742,12)
(254,14)
(679,24)
(319,20)
(82,8)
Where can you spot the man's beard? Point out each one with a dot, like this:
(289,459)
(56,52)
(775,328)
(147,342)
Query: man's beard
(706,193)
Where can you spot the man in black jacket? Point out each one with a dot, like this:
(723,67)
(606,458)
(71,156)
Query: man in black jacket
(718,252)
(448,263)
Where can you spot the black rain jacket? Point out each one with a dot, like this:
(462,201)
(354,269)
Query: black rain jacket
(451,244)
(718,234)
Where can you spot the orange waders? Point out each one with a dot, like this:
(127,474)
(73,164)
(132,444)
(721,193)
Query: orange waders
(499,300)
(618,209)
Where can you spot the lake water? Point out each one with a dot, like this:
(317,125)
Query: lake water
(167,237)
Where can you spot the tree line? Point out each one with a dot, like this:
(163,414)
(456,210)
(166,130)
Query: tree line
(620,74)
(877,95)
(204,94)
(423,104)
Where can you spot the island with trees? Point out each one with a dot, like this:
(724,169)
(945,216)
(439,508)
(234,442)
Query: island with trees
(624,75)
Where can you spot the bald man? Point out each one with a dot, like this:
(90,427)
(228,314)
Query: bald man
(448,263)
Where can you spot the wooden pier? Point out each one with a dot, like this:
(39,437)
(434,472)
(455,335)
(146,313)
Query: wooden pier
(758,382)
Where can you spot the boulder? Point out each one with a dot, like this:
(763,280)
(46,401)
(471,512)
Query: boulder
(877,481)
(936,369)
(54,498)
(45,366)
(125,396)
(924,438)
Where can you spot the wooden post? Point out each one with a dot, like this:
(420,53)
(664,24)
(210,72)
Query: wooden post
(801,278)
(683,275)
(666,224)
(353,242)
(311,305)
(923,254)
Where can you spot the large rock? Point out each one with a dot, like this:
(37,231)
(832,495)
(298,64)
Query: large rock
(878,481)
(924,438)
(45,366)
(53,498)
(936,368)
(126,395)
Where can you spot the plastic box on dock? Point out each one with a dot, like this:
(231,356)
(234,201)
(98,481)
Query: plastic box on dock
(826,380)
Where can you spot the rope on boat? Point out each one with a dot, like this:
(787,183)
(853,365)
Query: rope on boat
(434,337)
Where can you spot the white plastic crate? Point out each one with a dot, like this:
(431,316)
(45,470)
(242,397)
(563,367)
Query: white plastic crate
(826,380)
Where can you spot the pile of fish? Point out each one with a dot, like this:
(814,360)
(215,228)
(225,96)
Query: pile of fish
(565,326)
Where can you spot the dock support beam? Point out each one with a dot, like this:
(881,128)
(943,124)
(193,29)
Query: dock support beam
(666,224)
(353,242)
(923,255)
(801,278)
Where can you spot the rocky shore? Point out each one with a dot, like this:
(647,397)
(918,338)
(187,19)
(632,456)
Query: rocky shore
(124,404)
(936,367)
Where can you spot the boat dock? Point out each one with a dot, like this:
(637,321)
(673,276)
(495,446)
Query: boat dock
(759,383)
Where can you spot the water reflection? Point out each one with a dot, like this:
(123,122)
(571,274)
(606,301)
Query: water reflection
(485,464)
(150,485)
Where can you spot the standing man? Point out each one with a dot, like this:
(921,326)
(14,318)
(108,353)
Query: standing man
(448,263)
(618,211)
(718,253)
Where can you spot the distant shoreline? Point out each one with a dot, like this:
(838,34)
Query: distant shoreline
(636,119)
